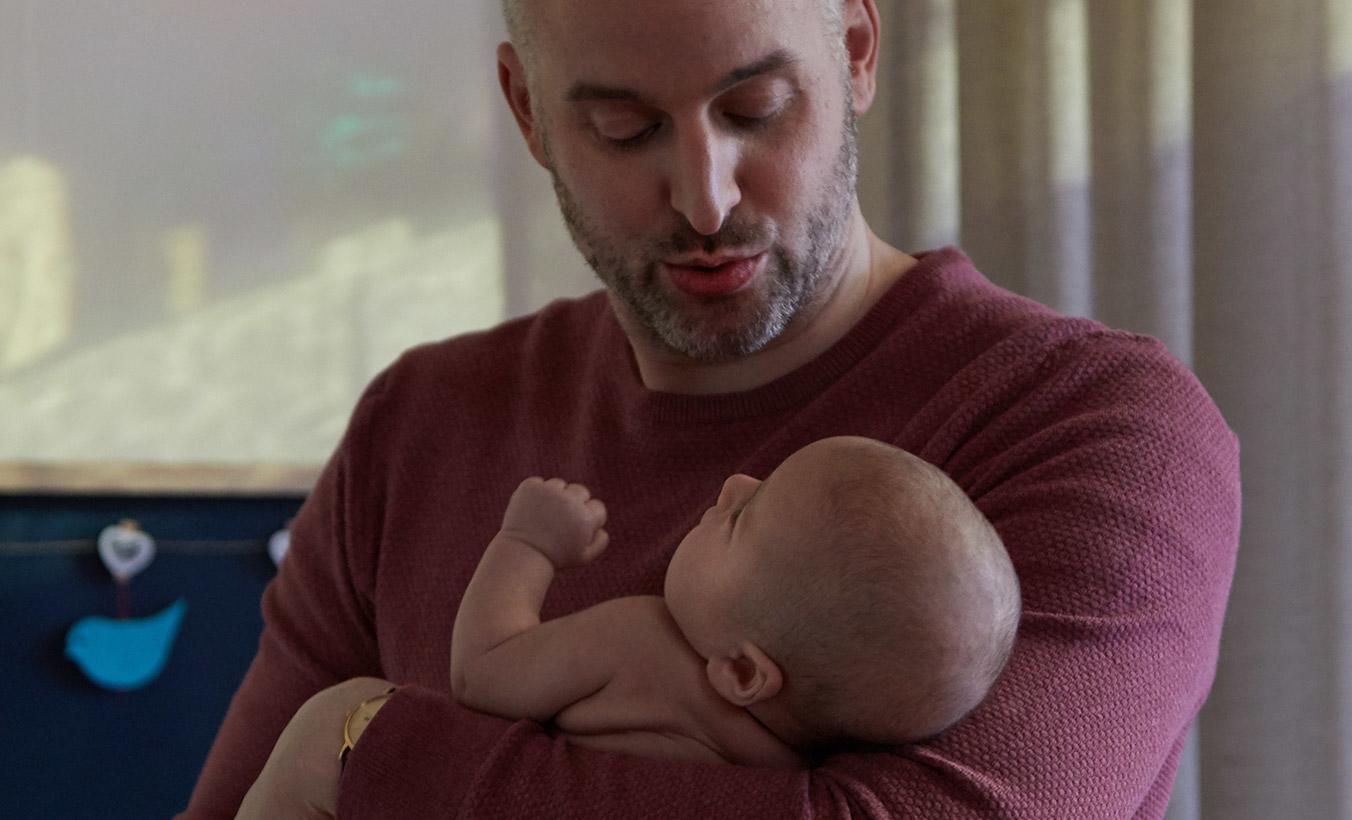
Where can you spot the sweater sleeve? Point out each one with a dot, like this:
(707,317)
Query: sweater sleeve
(318,631)
(1114,482)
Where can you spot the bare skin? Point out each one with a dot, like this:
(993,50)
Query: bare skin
(618,676)
(684,675)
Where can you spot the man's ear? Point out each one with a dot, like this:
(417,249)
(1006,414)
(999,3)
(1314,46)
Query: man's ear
(862,33)
(512,78)
(749,677)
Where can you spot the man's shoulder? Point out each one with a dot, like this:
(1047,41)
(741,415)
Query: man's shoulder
(1077,351)
(485,373)
(951,326)
(1075,382)
(549,340)
(983,364)
(557,322)
(1069,364)
(969,310)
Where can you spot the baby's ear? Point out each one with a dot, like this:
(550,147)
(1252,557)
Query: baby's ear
(748,677)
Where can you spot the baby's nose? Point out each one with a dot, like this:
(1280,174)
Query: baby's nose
(737,486)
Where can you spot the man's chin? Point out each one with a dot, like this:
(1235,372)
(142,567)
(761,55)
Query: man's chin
(707,331)
(712,346)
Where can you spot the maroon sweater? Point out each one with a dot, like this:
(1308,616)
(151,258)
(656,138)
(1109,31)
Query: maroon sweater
(1101,461)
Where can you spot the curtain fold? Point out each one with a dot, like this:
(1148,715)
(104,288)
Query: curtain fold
(1181,169)
(1336,318)
(1267,312)
(1026,146)
(911,185)
(1141,131)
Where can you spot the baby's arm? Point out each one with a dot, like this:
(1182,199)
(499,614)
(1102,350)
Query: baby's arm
(503,660)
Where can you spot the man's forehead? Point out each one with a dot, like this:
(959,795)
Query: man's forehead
(776,61)
(639,42)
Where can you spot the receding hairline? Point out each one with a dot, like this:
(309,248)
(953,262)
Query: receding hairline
(521,31)
(515,21)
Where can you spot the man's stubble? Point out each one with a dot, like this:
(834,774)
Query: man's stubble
(735,327)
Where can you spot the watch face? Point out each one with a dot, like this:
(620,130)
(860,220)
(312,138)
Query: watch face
(356,723)
(374,705)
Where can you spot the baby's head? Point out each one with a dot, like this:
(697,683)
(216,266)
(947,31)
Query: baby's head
(856,593)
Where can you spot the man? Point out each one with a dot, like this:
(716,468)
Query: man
(703,154)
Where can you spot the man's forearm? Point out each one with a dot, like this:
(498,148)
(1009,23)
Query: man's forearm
(503,600)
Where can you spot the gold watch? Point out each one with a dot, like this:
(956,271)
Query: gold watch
(357,720)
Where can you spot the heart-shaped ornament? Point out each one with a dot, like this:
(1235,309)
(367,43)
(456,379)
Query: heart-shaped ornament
(278,545)
(125,549)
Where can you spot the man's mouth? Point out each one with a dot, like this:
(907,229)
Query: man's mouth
(714,277)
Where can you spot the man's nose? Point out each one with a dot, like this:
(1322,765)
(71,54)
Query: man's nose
(704,185)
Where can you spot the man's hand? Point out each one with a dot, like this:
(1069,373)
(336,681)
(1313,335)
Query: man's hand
(560,520)
(300,779)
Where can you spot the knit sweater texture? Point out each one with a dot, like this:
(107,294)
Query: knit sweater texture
(1098,457)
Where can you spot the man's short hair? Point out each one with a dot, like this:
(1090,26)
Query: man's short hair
(521,32)
(516,25)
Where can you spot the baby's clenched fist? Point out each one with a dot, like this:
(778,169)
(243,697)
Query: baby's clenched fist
(560,520)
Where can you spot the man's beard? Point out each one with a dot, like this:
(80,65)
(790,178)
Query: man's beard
(735,327)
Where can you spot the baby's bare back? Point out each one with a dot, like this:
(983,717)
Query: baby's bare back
(658,702)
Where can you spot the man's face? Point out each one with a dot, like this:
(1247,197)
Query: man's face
(685,133)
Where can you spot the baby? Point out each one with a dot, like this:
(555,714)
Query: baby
(856,594)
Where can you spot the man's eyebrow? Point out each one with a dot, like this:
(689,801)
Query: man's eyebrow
(770,63)
(592,92)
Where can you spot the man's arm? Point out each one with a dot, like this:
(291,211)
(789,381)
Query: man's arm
(503,660)
(1122,519)
(317,633)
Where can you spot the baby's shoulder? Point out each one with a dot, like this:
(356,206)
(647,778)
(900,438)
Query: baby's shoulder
(642,630)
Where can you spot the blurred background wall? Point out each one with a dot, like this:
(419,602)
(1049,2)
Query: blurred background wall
(219,221)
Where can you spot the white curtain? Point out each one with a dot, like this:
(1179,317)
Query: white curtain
(218,221)
(1182,169)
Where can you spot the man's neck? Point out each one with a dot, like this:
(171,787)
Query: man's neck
(867,268)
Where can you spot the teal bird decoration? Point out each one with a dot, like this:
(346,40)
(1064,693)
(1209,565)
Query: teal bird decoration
(124,654)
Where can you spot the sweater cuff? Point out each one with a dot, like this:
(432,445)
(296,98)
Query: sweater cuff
(418,758)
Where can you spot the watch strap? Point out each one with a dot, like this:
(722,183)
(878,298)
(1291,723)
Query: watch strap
(362,711)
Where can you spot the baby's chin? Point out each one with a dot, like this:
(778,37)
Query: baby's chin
(706,645)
